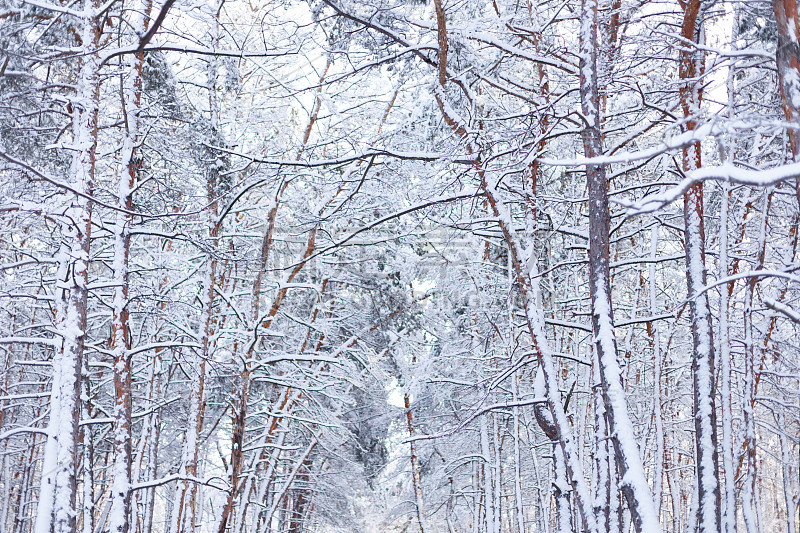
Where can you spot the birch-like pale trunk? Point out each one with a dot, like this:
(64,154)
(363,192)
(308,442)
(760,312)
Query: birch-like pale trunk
(87,518)
(749,482)
(6,476)
(415,476)
(728,511)
(147,441)
(477,498)
(497,474)
(489,479)
(6,473)
(182,519)
(633,481)
(147,468)
(789,500)
(56,512)
(750,507)
(263,493)
(519,502)
(729,507)
(654,332)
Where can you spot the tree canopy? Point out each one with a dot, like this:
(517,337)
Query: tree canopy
(381,266)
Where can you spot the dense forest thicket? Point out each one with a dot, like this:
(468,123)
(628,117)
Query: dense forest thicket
(457,266)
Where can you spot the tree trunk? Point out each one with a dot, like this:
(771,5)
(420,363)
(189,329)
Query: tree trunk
(750,509)
(119,521)
(654,333)
(56,511)
(787,59)
(634,483)
(729,515)
(703,379)
(415,478)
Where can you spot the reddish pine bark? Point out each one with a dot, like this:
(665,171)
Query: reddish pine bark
(703,370)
